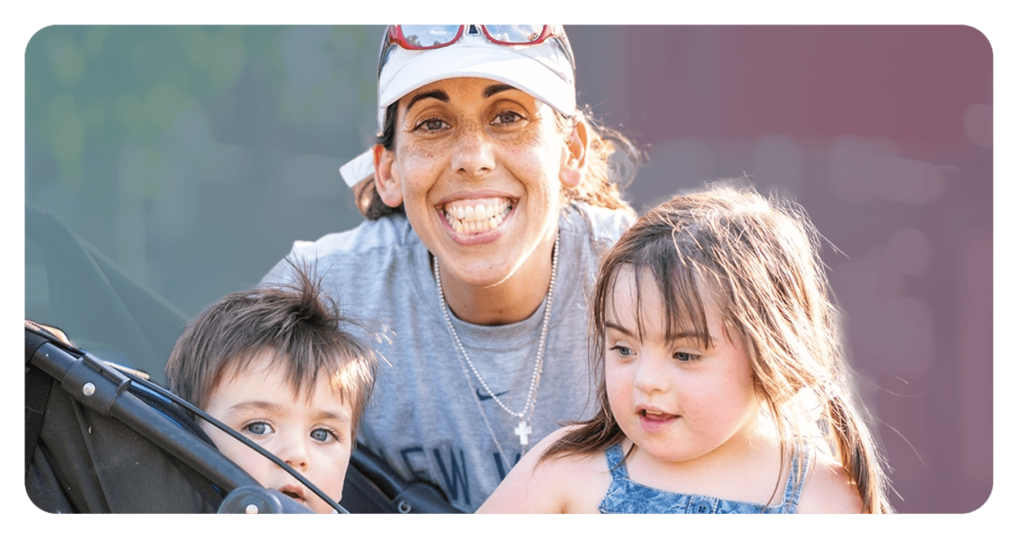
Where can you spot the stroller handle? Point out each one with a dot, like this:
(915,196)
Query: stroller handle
(112,393)
(104,389)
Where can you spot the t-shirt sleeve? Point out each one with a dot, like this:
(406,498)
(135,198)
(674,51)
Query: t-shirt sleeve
(283,271)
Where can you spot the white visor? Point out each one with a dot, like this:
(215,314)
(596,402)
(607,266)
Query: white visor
(543,70)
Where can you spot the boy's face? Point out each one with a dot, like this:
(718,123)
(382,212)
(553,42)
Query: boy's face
(313,435)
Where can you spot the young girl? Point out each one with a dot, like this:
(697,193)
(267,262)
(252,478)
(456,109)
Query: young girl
(722,386)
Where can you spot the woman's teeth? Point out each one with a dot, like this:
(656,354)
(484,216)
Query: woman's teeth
(477,215)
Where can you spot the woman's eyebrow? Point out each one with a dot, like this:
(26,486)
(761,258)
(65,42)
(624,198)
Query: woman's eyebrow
(492,90)
(438,94)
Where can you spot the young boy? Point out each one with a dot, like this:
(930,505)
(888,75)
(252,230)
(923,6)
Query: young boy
(275,365)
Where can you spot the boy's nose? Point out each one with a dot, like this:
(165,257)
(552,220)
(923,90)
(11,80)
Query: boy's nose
(294,453)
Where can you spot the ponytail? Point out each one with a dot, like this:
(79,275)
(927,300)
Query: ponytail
(856,450)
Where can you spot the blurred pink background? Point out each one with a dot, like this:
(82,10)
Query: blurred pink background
(884,135)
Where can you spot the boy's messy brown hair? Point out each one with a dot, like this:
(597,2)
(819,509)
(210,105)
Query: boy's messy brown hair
(295,325)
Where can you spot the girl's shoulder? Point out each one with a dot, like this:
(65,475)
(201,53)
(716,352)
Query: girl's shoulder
(573,483)
(828,489)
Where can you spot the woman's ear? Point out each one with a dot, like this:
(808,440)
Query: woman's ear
(389,187)
(575,163)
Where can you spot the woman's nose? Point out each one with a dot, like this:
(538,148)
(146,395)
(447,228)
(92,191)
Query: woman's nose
(474,155)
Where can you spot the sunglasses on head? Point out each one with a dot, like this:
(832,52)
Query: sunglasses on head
(427,37)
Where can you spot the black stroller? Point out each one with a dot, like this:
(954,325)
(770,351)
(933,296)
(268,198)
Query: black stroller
(100,437)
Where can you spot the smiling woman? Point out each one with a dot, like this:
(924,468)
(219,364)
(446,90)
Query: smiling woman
(488,205)
(466,142)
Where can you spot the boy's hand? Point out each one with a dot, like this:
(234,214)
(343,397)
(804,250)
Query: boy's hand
(52,330)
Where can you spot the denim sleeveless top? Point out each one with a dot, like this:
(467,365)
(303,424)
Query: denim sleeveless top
(627,497)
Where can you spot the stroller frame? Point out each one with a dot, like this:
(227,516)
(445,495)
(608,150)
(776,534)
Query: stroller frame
(110,392)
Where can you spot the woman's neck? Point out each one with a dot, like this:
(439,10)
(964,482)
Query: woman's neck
(510,301)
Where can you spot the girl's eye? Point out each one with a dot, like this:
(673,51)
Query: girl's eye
(685,356)
(322,435)
(258,428)
(621,351)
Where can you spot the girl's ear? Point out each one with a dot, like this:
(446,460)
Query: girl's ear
(575,162)
(389,187)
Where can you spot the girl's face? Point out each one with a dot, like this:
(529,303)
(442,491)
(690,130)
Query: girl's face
(674,399)
(479,166)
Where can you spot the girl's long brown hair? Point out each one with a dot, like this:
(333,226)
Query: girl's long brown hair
(759,258)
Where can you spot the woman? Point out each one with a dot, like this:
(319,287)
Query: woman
(488,209)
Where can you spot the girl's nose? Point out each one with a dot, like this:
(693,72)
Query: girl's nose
(649,376)
(474,155)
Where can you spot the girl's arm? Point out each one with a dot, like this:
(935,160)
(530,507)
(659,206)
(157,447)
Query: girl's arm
(556,486)
(829,491)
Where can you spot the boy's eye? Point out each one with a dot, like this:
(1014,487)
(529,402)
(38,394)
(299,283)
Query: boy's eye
(322,435)
(258,428)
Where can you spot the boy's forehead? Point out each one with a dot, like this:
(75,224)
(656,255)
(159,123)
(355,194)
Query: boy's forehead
(272,394)
(269,370)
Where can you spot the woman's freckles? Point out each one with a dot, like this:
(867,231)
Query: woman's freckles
(488,145)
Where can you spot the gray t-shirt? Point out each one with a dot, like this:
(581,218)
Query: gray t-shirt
(424,417)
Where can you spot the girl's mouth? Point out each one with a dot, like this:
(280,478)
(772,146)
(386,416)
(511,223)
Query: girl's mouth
(654,421)
(471,216)
(656,415)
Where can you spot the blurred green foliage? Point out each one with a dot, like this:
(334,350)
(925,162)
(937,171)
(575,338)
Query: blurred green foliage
(192,156)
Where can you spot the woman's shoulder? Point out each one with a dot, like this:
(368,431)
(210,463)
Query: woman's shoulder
(828,489)
(371,243)
(573,483)
(386,232)
(599,223)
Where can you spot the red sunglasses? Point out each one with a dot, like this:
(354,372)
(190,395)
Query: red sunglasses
(427,37)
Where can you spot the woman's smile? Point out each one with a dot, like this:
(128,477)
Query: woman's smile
(469,217)
(477,167)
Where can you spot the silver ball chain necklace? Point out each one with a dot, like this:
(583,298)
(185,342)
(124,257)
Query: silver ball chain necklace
(523,429)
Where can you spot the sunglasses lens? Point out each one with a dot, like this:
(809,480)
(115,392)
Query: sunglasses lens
(429,36)
(514,34)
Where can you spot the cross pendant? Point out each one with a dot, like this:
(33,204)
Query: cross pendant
(523,430)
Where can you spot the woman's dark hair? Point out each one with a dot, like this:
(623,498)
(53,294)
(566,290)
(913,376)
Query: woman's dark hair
(612,162)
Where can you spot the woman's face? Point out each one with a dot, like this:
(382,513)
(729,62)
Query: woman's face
(478,165)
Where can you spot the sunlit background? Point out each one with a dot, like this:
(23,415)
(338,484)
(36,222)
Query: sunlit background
(168,166)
